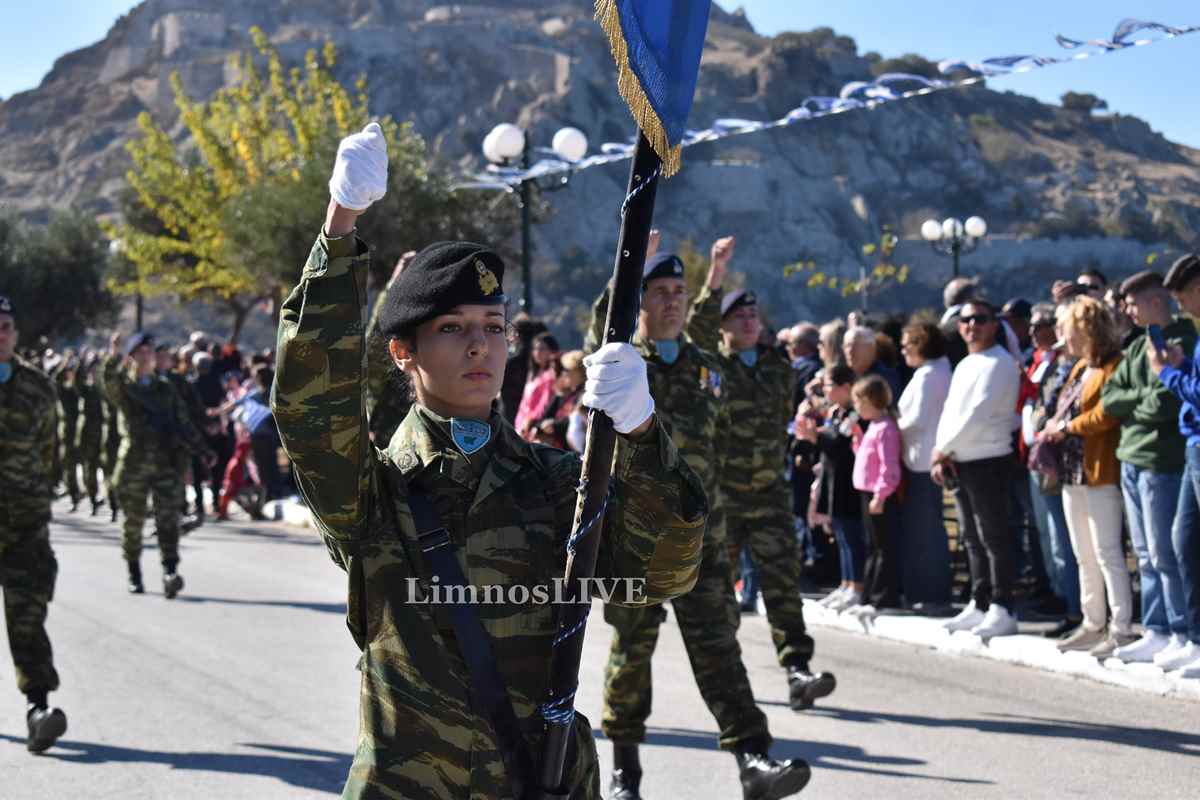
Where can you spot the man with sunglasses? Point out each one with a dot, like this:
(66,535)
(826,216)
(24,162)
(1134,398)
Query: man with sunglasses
(973,445)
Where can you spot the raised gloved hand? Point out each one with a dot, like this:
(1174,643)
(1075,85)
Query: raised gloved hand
(616,384)
(360,171)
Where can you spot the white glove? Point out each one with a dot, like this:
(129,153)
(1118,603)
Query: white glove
(616,384)
(360,171)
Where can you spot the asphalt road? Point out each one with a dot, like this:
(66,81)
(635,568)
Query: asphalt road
(245,687)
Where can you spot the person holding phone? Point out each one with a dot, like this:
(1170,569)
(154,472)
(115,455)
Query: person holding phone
(1151,452)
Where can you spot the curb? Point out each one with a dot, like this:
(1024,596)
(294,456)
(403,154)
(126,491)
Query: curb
(1024,650)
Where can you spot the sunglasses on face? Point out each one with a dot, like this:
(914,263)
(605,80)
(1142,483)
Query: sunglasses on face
(976,319)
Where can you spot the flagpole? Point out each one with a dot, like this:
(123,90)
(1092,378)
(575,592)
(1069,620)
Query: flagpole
(583,546)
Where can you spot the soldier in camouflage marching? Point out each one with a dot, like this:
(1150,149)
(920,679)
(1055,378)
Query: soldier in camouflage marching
(112,447)
(155,427)
(164,365)
(688,387)
(28,421)
(503,507)
(757,387)
(89,443)
(68,425)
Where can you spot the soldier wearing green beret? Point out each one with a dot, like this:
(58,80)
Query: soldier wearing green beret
(28,421)
(688,386)
(456,485)
(757,387)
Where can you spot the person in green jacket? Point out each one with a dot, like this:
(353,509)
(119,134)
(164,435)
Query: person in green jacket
(1151,452)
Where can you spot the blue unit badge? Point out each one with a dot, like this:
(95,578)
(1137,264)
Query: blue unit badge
(469,434)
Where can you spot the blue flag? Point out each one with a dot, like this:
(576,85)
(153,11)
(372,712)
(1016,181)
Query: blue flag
(657,46)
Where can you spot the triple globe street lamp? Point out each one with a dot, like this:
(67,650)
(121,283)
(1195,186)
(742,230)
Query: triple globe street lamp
(507,144)
(952,237)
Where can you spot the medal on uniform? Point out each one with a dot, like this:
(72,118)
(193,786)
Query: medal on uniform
(470,434)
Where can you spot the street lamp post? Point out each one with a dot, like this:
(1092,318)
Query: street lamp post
(505,144)
(952,237)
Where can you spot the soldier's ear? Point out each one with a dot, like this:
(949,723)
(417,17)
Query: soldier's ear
(401,352)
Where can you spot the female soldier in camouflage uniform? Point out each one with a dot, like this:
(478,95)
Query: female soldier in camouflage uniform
(505,505)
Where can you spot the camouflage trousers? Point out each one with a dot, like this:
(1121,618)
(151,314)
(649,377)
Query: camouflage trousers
(69,459)
(762,522)
(27,574)
(135,484)
(89,459)
(707,618)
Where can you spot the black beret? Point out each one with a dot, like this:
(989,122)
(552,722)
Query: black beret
(1141,281)
(737,299)
(663,265)
(1182,273)
(137,340)
(440,277)
(6,306)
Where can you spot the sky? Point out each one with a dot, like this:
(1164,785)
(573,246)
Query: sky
(1155,83)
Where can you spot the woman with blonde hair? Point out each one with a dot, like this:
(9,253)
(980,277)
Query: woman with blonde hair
(1087,449)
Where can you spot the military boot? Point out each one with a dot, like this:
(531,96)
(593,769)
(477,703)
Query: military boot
(45,726)
(172,580)
(74,503)
(135,578)
(804,687)
(627,773)
(765,779)
(96,503)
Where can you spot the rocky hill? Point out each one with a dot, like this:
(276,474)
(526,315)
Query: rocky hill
(815,191)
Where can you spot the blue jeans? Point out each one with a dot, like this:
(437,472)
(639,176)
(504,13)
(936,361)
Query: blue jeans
(852,547)
(1052,523)
(749,579)
(1151,500)
(924,548)
(1186,538)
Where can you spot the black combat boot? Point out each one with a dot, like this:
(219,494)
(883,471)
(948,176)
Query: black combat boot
(113,506)
(627,773)
(45,724)
(74,503)
(765,779)
(172,581)
(96,503)
(135,578)
(804,687)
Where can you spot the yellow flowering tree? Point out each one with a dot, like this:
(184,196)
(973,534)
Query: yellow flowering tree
(230,212)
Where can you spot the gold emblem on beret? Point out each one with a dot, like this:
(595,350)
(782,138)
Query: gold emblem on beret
(487,280)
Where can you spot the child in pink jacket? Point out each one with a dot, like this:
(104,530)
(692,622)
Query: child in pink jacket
(877,475)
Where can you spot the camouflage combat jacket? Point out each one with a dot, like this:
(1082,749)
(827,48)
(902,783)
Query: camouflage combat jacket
(508,512)
(91,415)
(28,429)
(689,395)
(153,419)
(759,399)
(68,408)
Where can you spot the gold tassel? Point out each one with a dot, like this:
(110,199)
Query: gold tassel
(631,90)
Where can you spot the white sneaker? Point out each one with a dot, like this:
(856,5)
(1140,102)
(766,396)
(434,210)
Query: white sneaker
(968,618)
(1183,657)
(849,599)
(1190,671)
(1178,642)
(1144,649)
(760,605)
(997,622)
(864,612)
(830,598)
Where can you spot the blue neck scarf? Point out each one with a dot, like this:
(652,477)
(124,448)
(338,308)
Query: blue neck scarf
(749,357)
(5,371)
(668,349)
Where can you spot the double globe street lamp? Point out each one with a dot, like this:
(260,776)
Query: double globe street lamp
(952,237)
(507,144)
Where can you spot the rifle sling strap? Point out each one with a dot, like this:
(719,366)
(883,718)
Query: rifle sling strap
(487,685)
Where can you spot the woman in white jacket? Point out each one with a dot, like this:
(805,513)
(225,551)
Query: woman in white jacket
(924,547)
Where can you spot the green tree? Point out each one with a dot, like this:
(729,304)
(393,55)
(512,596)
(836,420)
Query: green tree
(54,274)
(230,213)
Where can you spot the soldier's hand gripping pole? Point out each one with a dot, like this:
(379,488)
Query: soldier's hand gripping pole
(637,212)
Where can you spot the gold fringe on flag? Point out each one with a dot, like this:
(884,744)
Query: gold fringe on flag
(631,90)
